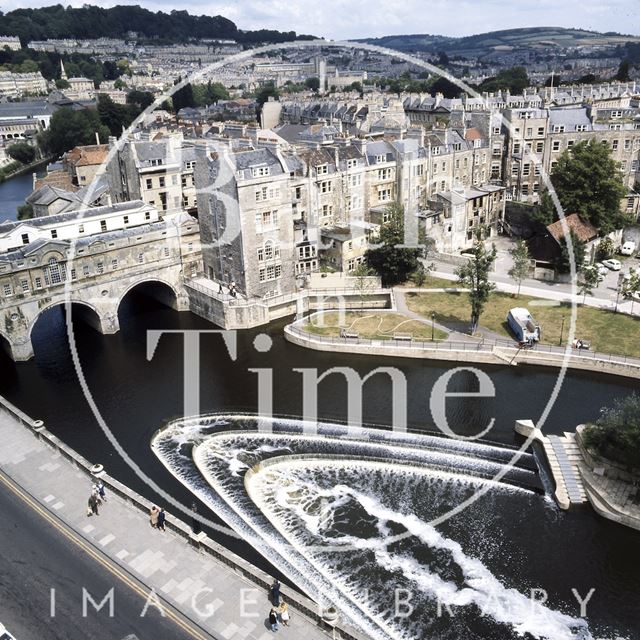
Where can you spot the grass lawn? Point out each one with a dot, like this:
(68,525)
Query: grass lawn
(371,325)
(608,332)
(431,282)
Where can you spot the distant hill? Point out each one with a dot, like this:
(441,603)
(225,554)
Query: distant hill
(537,38)
(95,22)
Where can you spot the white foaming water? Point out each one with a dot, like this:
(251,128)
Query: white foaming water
(277,486)
(275,541)
(225,447)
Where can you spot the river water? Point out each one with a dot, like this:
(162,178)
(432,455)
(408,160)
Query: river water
(525,543)
(12,194)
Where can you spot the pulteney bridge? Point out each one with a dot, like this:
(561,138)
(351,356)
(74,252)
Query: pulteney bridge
(94,274)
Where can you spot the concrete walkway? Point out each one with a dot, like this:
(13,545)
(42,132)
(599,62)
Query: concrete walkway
(190,581)
(604,298)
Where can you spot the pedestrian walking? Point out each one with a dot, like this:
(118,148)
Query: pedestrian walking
(195,522)
(221,290)
(153,516)
(162,516)
(275,593)
(273,619)
(96,493)
(93,504)
(284,614)
(101,492)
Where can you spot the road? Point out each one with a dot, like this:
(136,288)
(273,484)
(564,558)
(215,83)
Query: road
(36,557)
(604,296)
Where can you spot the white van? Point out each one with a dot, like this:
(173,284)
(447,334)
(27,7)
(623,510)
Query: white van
(628,248)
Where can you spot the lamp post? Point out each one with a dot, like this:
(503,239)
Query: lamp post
(433,326)
(561,331)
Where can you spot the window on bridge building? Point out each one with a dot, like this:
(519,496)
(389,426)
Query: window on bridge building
(53,269)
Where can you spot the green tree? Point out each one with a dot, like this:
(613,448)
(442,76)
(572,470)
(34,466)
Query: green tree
(363,282)
(521,263)
(562,263)
(623,72)
(183,97)
(61,83)
(605,249)
(115,116)
(515,79)
(25,212)
(616,433)
(419,276)
(266,92)
(354,86)
(630,287)
(475,276)
(588,181)
(390,260)
(312,83)
(588,280)
(69,128)
(22,152)
(139,100)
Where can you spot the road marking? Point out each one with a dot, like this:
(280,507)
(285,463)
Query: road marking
(107,563)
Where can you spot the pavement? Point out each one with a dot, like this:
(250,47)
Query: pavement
(605,296)
(206,597)
(36,558)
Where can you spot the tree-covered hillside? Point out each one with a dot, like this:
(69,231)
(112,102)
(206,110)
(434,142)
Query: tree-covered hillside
(95,22)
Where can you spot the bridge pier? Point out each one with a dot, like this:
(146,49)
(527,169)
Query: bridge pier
(108,323)
(21,351)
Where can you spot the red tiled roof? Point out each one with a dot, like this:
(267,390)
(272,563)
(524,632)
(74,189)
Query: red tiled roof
(583,230)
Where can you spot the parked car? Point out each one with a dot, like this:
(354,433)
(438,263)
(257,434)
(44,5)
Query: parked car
(613,264)
(602,270)
(628,248)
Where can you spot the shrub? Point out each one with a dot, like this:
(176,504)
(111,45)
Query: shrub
(616,433)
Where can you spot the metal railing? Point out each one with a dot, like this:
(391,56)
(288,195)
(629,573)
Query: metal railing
(283,298)
(481,345)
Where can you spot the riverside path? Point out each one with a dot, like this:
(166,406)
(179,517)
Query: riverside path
(200,595)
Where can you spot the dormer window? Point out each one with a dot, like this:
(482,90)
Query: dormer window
(381,158)
(322,170)
(258,172)
(156,162)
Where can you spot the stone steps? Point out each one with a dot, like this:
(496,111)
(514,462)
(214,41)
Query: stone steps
(566,467)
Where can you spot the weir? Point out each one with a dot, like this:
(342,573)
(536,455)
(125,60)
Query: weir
(318,505)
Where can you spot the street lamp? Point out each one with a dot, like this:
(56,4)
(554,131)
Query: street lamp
(561,330)
(433,326)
